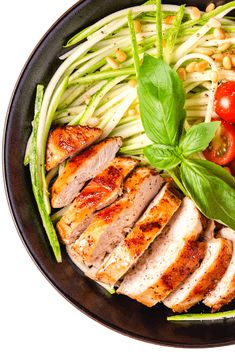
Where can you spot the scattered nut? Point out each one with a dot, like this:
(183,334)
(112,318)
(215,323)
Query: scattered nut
(195,13)
(182,73)
(210,7)
(137,26)
(224,47)
(219,33)
(120,55)
(206,51)
(190,68)
(201,66)
(227,63)
(112,62)
(169,20)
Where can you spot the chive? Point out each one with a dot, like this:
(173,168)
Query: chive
(134,44)
(159,29)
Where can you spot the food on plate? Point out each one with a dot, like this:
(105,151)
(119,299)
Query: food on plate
(204,279)
(100,192)
(148,227)
(224,291)
(132,150)
(109,226)
(221,149)
(169,260)
(225,101)
(82,168)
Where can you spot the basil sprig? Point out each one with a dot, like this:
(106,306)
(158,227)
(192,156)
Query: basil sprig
(162,98)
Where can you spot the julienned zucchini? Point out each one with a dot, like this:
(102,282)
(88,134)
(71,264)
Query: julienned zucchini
(202,317)
(34,172)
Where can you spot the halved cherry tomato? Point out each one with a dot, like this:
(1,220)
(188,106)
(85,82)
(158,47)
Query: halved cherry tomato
(225,101)
(232,167)
(222,148)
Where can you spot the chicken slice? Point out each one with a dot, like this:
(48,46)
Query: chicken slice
(204,279)
(68,140)
(82,168)
(224,292)
(100,192)
(169,259)
(137,241)
(110,225)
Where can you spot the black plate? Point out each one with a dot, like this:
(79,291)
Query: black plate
(117,312)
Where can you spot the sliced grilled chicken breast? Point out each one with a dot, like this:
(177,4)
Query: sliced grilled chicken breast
(169,259)
(204,279)
(82,168)
(224,292)
(150,225)
(68,140)
(100,192)
(110,225)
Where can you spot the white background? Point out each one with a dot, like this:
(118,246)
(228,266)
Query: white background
(34,317)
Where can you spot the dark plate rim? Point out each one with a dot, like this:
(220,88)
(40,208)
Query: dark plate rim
(14,215)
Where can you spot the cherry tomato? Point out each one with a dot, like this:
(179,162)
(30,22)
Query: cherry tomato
(225,101)
(222,148)
(232,167)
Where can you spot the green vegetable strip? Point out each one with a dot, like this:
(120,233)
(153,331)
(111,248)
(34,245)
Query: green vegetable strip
(159,29)
(201,317)
(172,34)
(35,173)
(103,75)
(42,139)
(134,43)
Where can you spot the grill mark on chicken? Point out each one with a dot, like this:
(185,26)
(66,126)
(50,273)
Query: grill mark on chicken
(68,140)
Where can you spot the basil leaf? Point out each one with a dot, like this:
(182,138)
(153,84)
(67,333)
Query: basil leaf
(198,137)
(162,157)
(161,98)
(211,188)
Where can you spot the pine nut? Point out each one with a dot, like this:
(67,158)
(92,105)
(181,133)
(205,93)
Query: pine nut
(210,7)
(214,23)
(195,13)
(163,43)
(190,68)
(224,47)
(214,76)
(182,73)
(233,60)
(218,57)
(201,66)
(93,121)
(219,33)
(206,51)
(137,26)
(132,83)
(169,20)
(227,63)
(120,55)
(112,62)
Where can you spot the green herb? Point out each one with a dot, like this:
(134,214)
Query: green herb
(161,98)
(198,137)
(211,188)
(162,157)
